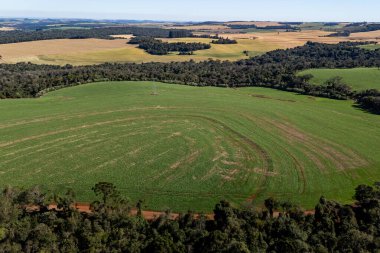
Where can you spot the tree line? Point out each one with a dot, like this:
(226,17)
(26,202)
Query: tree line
(276,69)
(158,47)
(28,225)
(98,33)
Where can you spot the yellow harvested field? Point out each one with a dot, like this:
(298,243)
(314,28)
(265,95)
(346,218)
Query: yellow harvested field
(31,51)
(374,35)
(237,36)
(290,39)
(293,39)
(123,36)
(6,29)
(96,51)
(130,53)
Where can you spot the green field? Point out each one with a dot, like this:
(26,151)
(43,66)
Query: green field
(189,147)
(371,46)
(357,78)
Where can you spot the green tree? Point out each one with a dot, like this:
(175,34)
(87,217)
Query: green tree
(271,204)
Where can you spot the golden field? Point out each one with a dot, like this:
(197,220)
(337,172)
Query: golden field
(96,51)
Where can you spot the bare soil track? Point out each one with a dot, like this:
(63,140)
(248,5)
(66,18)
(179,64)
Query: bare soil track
(148,215)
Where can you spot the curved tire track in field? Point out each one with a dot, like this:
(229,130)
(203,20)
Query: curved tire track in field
(320,150)
(300,172)
(262,153)
(299,167)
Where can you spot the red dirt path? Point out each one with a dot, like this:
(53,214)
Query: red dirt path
(148,215)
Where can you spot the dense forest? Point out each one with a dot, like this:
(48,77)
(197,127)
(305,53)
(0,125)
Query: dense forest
(276,69)
(28,225)
(98,33)
(158,47)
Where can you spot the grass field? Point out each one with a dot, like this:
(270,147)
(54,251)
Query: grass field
(371,47)
(189,147)
(357,78)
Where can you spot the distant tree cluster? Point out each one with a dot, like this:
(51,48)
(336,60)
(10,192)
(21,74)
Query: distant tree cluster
(99,33)
(157,47)
(179,33)
(240,26)
(359,43)
(206,36)
(340,34)
(331,24)
(224,41)
(28,225)
(369,99)
(291,23)
(277,69)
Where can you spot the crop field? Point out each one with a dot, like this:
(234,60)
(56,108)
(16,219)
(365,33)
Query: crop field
(130,53)
(371,46)
(6,28)
(188,147)
(96,51)
(374,35)
(357,78)
(294,39)
(32,51)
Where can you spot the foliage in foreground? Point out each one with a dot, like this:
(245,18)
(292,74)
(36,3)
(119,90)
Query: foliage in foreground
(110,228)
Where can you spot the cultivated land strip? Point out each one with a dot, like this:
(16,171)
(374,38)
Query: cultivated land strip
(188,147)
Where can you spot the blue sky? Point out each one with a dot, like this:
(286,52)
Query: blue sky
(198,10)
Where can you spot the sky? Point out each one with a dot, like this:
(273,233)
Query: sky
(197,10)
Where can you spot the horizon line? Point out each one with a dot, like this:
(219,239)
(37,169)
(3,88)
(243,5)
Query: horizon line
(178,21)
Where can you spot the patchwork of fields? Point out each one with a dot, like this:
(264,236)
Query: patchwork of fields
(357,78)
(96,51)
(188,147)
(130,53)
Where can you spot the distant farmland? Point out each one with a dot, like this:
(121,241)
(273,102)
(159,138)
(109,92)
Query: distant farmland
(130,53)
(357,78)
(188,147)
(95,51)
(32,51)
